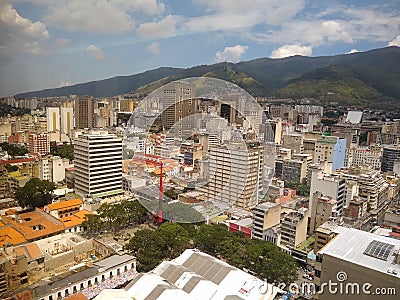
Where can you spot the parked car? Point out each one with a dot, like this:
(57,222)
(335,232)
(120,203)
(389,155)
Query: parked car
(306,276)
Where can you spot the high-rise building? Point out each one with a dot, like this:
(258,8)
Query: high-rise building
(177,103)
(389,155)
(67,119)
(98,165)
(84,112)
(60,119)
(364,156)
(39,143)
(235,174)
(53,118)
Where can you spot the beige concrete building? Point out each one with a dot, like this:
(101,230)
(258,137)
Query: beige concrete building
(326,232)
(293,141)
(265,215)
(294,228)
(323,208)
(235,174)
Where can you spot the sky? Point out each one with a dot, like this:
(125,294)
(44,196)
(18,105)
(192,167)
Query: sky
(53,43)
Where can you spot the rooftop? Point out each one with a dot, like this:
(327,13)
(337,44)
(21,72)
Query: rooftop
(31,251)
(65,204)
(35,224)
(76,219)
(351,245)
(9,234)
(196,275)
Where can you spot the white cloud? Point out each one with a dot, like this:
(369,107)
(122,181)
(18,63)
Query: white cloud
(228,14)
(96,52)
(395,41)
(98,16)
(353,51)
(325,28)
(150,7)
(62,42)
(232,54)
(154,48)
(162,29)
(64,83)
(291,50)
(18,34)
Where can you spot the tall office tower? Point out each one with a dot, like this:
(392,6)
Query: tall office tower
(98,165)
(67,119)
(389,155)
(39,143)
(235,174)
(84,112)
(177,103)
(53,118)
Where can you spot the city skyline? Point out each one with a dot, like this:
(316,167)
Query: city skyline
(46,44)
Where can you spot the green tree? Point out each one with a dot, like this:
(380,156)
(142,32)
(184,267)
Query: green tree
(135,212)
(113,215)
(208,237)
(35,193)
(93,224)
(64,151)
(171,193)
(145,245)
(174,239)
(11,168)
(301,189)
(13,150)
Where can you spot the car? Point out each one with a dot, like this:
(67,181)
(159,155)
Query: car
(306,276)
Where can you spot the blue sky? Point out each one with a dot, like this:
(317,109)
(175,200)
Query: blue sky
(51,43)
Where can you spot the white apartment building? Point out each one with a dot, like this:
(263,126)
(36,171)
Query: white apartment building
(98,165)
(328,185)
(53,118)
(364,156)
(53,168)
(60,119)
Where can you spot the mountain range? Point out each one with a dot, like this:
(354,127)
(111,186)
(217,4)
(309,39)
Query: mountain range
(364,78)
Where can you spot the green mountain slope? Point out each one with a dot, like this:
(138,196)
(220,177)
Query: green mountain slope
(369,76)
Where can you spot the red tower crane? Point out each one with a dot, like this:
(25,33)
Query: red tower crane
(155,160)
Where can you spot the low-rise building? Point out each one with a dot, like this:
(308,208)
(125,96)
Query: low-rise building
(361,265)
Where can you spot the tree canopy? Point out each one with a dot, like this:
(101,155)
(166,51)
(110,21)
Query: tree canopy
(64,151)
(116,216)
(13,150)
(266,260)
(35,193)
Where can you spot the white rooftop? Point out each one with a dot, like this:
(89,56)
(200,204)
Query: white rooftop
(351,245)
(354,117)
(196,275)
